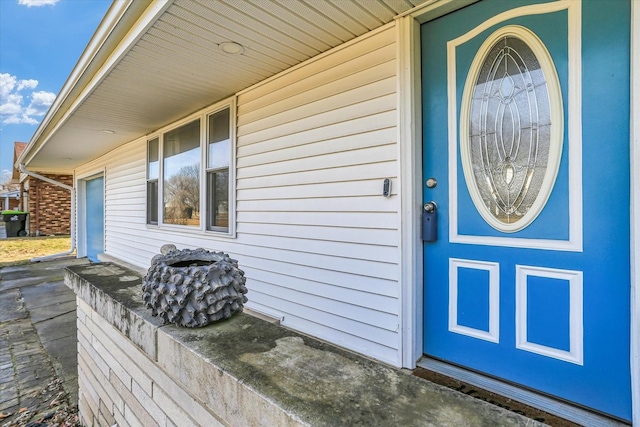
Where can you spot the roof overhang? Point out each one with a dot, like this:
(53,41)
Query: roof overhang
(153,62)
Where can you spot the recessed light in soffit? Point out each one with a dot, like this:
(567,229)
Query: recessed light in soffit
(231,48)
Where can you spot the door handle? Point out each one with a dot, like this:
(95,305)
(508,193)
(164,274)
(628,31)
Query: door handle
(430,222)
(430,206)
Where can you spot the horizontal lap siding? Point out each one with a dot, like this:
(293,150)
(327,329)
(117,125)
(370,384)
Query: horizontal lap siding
(314,147)
(316,239)
(125,199)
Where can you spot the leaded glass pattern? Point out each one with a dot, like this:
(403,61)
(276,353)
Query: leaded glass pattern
(509,135)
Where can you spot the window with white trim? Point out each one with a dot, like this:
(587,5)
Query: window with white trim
(218,156)
(153,172)
(180,192)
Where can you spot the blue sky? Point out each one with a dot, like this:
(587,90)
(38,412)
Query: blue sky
(40,43)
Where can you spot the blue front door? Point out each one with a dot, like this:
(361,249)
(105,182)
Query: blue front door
(526,168)
(95,217)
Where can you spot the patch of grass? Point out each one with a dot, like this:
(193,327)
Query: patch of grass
(20,250)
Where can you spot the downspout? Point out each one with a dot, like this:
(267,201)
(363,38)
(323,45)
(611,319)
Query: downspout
(72,224)
(36,211)
(23,201)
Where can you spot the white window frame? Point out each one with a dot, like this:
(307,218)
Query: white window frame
(203,115)
(147,179)
(231,166)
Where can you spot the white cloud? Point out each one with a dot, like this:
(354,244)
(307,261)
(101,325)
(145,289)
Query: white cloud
(37,3)
(12,99)
(7,84)
(27,84)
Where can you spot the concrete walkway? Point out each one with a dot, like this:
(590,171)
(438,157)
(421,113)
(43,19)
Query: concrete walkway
(38,358)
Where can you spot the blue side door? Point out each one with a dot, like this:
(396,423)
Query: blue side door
(526,167)
(94,191)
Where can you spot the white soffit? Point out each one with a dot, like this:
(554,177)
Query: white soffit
(176,68)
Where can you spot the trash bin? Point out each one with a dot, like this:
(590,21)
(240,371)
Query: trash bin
(15,223)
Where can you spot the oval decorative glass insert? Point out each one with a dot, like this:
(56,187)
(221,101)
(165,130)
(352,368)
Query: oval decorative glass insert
(511,128)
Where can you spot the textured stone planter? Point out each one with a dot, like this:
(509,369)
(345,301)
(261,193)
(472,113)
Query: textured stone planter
(193,288)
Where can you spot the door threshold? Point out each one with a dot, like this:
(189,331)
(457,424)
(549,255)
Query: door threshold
(539,401)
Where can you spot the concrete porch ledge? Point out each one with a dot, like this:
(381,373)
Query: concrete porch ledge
(240,372)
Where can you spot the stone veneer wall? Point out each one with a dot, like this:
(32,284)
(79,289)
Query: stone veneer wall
(119,384)
(133,371)
(49,206)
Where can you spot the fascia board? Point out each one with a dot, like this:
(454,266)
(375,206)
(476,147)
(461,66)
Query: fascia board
(124,23)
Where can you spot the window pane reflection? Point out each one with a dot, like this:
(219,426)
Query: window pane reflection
(218,191)
(181,162)
(152,202)
(152,155)
(218,156)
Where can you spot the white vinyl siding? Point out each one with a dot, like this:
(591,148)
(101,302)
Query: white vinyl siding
(318,242)
(314,146)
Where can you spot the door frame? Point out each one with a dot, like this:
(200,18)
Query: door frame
(410,172)
(81,208)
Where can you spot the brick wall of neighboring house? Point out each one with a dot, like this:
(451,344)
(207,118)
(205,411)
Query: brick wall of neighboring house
(49,206)
(14,204)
